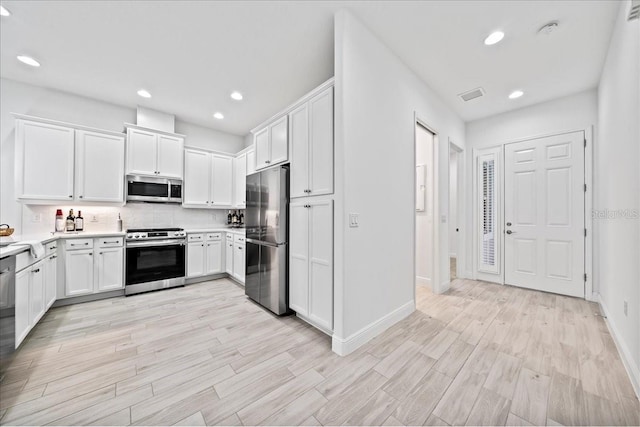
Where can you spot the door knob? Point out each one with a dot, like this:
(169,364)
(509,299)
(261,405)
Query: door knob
(510,232)
(508,224)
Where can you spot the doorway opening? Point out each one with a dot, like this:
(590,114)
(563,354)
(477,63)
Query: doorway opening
(425,238)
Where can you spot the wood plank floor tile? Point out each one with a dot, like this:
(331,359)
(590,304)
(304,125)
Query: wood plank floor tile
(454,358)
(490,409)
(456,404)
(566,401)
(418,405)
(192,420)
(514,420)
(375,411)
(531,396)
(504,375)
(297,411)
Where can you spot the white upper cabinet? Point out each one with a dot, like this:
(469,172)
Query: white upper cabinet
(155,154)
(44,161)
(251,161)
(221,181)
(299,125)
(141,152)
(312,145)
(261,143)
(279,139)
(321,143)
(99,167)
(272,144)
(56,162)
(196,178)
(239,180)
(208,180)
(170,151)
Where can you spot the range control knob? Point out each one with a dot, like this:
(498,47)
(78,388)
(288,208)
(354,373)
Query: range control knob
(137,236)
(177,233)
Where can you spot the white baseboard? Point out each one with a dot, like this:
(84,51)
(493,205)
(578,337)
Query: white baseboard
(344,346)
(423,281)
(632,370)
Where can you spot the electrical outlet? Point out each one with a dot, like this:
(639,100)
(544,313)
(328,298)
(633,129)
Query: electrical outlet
(94,218)
(36,218)
(354,219)
(626,309)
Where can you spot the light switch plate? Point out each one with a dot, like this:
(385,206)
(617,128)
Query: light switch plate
(354,220)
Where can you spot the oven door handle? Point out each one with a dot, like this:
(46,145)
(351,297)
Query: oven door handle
(168,242)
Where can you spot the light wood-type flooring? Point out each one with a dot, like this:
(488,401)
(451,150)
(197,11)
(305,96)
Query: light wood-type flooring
(204,354)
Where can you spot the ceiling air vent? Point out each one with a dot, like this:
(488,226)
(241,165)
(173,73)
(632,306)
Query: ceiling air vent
(472,94)
(634,11)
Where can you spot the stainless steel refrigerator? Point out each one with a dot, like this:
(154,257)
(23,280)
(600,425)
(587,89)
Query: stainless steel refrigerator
(267,228)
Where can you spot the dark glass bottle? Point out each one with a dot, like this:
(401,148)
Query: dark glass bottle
(71,221)
(79,222)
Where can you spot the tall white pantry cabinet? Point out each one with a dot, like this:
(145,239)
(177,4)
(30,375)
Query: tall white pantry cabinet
(311,154)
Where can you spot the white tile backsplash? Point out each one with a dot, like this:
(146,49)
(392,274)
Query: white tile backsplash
(134,215)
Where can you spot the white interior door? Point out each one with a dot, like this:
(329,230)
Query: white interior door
(544,214)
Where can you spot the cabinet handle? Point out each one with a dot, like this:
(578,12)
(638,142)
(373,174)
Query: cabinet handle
(76,244)
(52,248)
(202,245)
(71,196)
(53,257)
(115,241)
(267,161)
(80,197)
(37,270)
(90,253)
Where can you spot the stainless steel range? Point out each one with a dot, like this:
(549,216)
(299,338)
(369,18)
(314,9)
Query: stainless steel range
(155,259)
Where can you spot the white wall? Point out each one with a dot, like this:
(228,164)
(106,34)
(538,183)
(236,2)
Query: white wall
(376,99)
(574,112)
(453,202)
(424,219)
(22,98)
(617,177)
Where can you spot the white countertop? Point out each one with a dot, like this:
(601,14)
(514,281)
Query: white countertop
(239,231)
(16,248)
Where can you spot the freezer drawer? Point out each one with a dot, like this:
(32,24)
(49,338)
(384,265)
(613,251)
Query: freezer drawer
(266,281)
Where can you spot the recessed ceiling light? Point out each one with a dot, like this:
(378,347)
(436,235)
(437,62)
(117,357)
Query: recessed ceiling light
(236,95)
(144,93)
(494,38)
(4,11)
(28,60)
(218,116)
(516,94)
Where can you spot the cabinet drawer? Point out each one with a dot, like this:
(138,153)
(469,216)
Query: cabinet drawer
(110,242)
(238,238)
(73,244)
(24,260)
(195,237)
(51,247)
(214,236)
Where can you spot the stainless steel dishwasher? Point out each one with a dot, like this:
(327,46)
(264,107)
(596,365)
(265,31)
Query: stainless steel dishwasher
(7,307)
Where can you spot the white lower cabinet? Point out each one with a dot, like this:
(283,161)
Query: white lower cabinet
(195,259)
(79,272)
(30,298)
(204,254)
(109,268)
(214,257)
(239,256)
(36,293)
(93,266)
(22,305)
(50,280)
(311,261)
(229,254)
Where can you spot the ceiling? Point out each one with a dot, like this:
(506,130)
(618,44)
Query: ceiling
(192,54)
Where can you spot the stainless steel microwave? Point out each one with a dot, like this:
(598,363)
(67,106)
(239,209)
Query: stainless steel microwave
(151,189)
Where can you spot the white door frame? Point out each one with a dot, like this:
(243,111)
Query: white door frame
(433,174)
(590,289)
(460,255)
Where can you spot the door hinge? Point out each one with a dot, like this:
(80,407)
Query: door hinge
(585,232)
(585,188)
(585,142)
(585,277)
